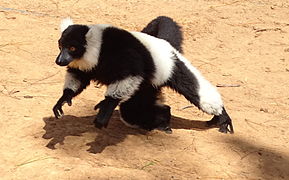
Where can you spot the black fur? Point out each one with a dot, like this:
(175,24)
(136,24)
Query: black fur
(74,36)
(166,28)
(122,55)
(184,82)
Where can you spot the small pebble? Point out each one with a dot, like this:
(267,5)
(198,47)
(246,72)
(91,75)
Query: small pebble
(264,110)
(28,97)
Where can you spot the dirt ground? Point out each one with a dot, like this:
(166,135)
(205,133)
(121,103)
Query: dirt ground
(236,42)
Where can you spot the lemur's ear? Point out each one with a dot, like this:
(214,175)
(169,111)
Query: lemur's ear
(65,23)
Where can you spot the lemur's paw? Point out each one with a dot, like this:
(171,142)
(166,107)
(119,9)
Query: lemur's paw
(226,127)
(99,125)
(65,98)
(222,121)
(101,120)
(57,110)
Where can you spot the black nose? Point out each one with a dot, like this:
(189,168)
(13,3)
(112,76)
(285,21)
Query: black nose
(64,58)
(61,63)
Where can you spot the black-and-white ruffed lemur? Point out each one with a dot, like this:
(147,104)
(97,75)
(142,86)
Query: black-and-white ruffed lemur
(134,66)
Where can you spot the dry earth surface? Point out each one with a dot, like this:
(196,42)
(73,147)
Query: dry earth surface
(234,42)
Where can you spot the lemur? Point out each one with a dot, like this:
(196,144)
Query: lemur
(130,63)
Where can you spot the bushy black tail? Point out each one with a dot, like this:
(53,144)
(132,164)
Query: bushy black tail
(166,28)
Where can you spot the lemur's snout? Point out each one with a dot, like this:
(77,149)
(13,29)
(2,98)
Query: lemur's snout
(64,58)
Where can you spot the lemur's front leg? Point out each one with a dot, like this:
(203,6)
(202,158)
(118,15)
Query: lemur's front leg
(65,98)
(119,91)
(106,108)
(75,82)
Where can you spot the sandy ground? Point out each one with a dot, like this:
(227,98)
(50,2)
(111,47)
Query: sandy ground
(235,42)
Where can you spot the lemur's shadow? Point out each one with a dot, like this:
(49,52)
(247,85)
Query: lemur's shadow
(116,132)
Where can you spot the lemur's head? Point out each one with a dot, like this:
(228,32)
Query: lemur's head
(72,43)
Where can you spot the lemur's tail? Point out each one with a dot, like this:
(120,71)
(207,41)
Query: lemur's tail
(166,28)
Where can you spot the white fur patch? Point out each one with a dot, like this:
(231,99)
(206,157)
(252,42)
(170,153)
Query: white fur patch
(161,52)
(210,98)
(65,23)
(71,82)
(124,89)
(90,57)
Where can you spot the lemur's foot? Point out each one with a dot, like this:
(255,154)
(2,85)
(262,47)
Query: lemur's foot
(65,98)
(106,108)
(103,116)
(99,124)
(163,118)
(223,121)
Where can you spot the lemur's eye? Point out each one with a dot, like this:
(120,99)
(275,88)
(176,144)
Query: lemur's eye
(72,49)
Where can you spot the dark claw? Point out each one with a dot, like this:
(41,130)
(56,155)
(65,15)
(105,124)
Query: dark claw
(96,106)
(69,102)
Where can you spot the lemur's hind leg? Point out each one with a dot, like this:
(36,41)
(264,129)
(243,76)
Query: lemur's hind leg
(145,109)
(146,117)
(189,82)
(162,118)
